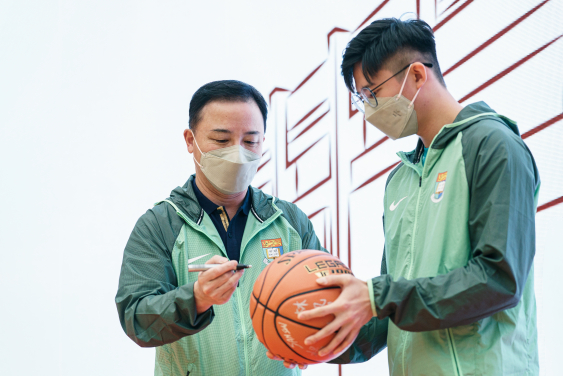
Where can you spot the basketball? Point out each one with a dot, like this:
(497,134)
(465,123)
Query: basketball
(285,288)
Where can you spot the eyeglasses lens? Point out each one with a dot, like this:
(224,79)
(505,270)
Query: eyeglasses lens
(358,103)
(369,97)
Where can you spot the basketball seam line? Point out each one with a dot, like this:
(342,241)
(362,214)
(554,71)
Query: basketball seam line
(289,347)
(271,292)
(287,318)
(277,314)
(261,287)
(285,274)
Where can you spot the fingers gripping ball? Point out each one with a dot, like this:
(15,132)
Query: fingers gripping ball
(285,288)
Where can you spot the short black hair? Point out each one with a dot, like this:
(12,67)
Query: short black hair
(390,43)
(226,90)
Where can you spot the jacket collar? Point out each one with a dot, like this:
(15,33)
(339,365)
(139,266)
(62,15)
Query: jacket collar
(467,117)
(209,206)
(260,204)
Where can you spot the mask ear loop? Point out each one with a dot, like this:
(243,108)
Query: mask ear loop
(202,153)
(404,81)
(403,85)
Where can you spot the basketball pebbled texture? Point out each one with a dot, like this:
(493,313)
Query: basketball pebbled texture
(286,287)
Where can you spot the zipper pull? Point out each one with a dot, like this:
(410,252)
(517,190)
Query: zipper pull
(420,182)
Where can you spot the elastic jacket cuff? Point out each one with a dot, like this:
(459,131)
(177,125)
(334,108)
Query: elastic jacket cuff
(371,297)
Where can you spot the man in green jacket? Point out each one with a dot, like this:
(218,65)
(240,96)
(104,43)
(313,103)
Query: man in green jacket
(200,324)
(459,220)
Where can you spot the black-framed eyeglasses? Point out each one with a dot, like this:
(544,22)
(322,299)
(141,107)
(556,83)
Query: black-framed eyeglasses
(367,95)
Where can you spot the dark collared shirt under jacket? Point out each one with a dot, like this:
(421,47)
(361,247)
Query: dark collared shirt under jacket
(230,229)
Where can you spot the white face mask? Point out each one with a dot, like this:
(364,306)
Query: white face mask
(230,170)
(395,116)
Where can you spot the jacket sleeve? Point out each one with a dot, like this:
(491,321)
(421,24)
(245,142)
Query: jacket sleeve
(503,181)
(372,338)
(152,308)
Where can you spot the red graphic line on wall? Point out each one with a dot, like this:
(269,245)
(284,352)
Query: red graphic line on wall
(276,90)
(418,9)
(307,78)
(508,70)
(542,126)
(495,37)
(324,231)
(333,31)
(317,212)
(262,186)
(310,126)
(336,77)
(349,238)
(288,162)
(308,114)
(449,7)
(379,142)
(310,216)
(452,15)
(372,13)
(365,131)
(377,176)
(549,204)
(318,185)
(263,164)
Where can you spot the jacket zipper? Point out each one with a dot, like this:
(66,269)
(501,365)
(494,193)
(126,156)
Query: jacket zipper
(412,258)
(246,360)
(456,366)
(239,301)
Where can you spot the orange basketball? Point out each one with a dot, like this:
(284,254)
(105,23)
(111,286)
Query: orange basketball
(286,287)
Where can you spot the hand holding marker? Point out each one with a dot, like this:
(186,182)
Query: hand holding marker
(204,267)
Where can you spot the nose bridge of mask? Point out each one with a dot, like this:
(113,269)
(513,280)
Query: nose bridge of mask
(233,154)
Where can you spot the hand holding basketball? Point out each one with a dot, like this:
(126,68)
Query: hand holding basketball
(284,289)
(352,310)
(285,363)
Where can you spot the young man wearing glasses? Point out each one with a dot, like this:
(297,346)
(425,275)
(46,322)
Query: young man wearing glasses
(457,285)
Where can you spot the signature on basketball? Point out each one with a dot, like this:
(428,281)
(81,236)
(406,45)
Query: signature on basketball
(322,303)
(288,337)
(300,306)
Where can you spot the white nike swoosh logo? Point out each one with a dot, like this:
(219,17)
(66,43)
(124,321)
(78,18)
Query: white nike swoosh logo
(393,206)
(196,258)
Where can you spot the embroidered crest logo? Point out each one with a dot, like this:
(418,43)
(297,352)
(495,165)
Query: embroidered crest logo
(272,249)
(438,194)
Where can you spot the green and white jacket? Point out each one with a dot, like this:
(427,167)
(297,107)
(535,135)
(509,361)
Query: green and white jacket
(155,298)
(459,250)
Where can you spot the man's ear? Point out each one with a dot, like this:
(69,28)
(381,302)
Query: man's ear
(420,74)
(189,138)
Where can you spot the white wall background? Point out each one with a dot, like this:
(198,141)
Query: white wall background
(93,100)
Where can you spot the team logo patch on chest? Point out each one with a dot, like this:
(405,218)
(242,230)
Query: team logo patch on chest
(438,194)
(272,249)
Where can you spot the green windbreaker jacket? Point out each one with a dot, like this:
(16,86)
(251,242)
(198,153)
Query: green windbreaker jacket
(459,249)
(155,298)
